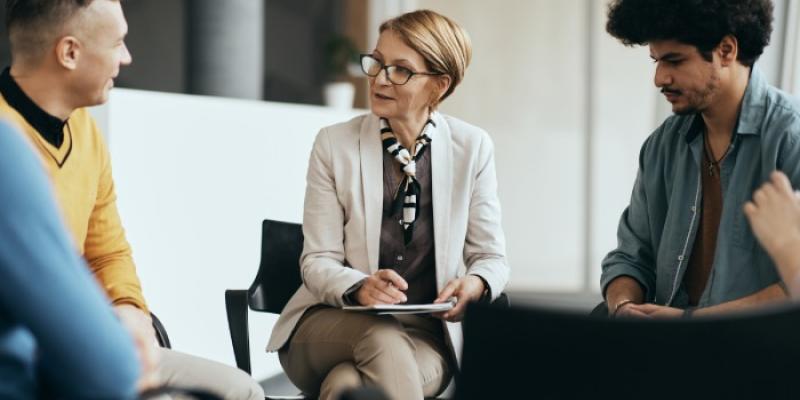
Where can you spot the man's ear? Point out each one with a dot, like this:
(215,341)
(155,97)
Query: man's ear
(728,50)
(68,52)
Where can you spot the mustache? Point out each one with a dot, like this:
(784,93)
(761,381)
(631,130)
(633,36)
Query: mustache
(667,90)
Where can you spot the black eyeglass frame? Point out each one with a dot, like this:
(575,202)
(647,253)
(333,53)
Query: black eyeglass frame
(385,68)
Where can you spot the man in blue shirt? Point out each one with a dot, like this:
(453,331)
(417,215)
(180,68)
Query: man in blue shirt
(684,243)
(43,284)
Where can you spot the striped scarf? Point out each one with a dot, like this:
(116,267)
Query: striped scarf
(409,191)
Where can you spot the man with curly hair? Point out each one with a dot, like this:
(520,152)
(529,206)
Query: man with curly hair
(685,246)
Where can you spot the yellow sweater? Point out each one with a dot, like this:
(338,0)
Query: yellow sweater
(85,190)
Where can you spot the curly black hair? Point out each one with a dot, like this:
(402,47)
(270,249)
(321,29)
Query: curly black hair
(700,23)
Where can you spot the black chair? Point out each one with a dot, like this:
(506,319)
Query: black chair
(161,332)
(277,279)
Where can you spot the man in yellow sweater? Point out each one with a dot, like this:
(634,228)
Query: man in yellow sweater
(65,56)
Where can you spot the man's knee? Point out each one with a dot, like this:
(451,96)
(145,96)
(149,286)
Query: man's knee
(243,386)
(184,370)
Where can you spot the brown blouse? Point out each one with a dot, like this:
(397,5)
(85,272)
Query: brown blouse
(416,263)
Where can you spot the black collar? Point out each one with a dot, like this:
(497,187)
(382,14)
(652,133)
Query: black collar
(51,128)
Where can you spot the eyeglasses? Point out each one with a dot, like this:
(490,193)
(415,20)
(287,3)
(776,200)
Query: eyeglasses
(396,74)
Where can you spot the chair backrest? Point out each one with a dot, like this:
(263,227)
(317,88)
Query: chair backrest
(279,271)
(161,332)
(527,352)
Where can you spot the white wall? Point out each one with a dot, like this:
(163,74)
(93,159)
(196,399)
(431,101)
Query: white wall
(790,69)
(194,177)
(626,108)
(524,87)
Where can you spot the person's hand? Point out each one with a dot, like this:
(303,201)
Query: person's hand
(385,286)
(774,215)
(465,289)
(651,310)
(627,311)
(140,326)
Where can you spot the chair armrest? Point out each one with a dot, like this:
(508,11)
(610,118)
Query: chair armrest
(236,308)
(161,332)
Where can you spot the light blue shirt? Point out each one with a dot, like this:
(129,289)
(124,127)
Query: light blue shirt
(657,231)
(59,338)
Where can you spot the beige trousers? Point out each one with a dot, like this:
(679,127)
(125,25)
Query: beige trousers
(187,371)
(332,350)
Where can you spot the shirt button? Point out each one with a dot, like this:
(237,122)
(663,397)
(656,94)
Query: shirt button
(694,209)
(399,258)
(680,258)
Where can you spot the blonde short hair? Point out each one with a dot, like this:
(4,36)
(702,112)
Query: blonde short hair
(443,44)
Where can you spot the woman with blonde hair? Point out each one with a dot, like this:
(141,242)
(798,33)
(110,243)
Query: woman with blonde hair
(401,207)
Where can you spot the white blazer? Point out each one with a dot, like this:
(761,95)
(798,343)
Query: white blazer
(344,202)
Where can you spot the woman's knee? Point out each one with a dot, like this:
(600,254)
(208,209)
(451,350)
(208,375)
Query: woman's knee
(385,333)
(342,377)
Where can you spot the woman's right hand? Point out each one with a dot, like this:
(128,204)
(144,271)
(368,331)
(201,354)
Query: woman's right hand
(385,286)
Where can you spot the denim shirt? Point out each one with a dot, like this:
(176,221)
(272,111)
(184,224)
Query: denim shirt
(657,231)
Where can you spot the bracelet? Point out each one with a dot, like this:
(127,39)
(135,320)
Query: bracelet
(619,305)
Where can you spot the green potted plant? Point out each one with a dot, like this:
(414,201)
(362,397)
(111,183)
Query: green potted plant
(341,62)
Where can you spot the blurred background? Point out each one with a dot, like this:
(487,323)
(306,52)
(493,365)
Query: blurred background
(567,106)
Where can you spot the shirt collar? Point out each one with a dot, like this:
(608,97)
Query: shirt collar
(49,127)
(754,104)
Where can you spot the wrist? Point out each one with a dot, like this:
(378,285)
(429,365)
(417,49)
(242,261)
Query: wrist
(126,309)
(484,292)
(350,296)
(785,249)
(791,280)
(786,254)
(619,305)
